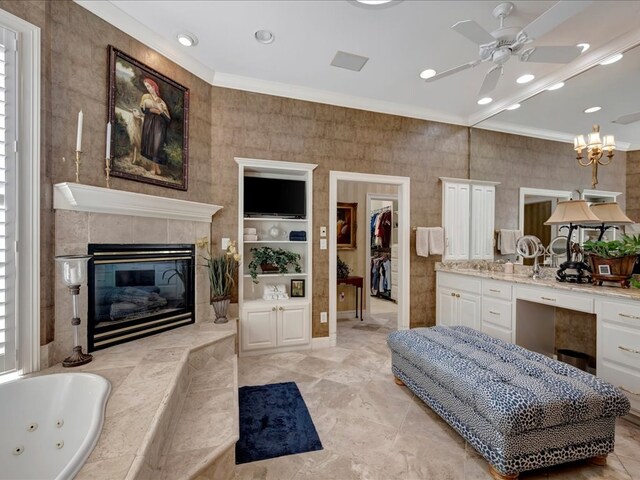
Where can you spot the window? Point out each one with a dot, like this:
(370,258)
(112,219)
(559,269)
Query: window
(19,196)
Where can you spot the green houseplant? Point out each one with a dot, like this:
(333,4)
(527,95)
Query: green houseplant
(272,260)
(618,257)
(222,272)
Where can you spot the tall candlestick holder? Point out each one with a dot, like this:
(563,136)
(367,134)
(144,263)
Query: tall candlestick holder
(77,162)
(107,169)
(74,274)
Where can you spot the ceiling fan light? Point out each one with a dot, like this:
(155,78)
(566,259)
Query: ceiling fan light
(485,100)
(515,106)
(526,78)
(428,73)
(583,46)
(555,86)
(592,109)
(187,39)
(612,59)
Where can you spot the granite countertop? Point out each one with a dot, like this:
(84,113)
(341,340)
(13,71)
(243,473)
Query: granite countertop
(143,375)
(522,276)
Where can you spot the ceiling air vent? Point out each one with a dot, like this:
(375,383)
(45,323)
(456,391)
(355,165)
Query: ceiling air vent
(349,61)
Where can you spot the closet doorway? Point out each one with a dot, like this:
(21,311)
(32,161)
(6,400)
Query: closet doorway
(382,257)
(398,190)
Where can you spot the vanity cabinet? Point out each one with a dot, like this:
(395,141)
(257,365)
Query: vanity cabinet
(468,217)
(458,301)
(497,315)
(271,325)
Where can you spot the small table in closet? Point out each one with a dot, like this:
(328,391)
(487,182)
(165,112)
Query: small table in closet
(357,282)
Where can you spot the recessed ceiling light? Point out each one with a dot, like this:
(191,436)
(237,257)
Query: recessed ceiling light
(592,109)
(428,73)
(583,46)
(556,86)
(611,59)
(373,2)
(187,39)
(515,106)
(485,100)
(264,36)
(525,78)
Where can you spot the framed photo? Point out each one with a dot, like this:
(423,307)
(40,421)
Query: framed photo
(149,115)
(347,226)
(604,270)
(297,288)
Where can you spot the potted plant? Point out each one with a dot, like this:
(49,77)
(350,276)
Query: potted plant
(222,271)
(613,261)
(272,260)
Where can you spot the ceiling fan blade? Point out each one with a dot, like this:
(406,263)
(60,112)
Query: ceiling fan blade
(473,31)
(490,81)
(553,17)
(451,71)
(551,54)
(627,119)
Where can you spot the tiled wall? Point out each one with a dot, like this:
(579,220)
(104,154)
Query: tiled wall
(633,185)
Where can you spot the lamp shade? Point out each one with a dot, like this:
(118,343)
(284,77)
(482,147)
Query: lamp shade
(610,213)
(572,211)
(74,269)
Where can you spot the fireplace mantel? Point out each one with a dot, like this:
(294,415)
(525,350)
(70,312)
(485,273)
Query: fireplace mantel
(87,198)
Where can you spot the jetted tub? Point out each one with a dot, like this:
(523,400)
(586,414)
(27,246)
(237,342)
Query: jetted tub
(50,424)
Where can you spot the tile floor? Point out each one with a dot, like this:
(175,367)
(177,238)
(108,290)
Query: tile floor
(373,429)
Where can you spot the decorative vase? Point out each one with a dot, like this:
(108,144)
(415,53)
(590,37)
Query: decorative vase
(220,307)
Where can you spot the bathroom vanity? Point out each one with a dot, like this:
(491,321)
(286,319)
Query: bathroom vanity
(518,309)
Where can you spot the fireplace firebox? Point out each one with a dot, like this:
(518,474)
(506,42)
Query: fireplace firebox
(138,290)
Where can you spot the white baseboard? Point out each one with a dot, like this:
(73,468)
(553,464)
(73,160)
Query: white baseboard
(321,342)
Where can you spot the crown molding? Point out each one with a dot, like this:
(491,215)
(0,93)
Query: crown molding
(132,27)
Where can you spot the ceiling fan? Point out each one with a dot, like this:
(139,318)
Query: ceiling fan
(498,46)
(628,119)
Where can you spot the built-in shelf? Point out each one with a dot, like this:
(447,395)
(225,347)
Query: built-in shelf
(277,275)
(276,241)
(87,198)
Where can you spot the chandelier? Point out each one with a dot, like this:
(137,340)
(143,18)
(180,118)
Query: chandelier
(596,147)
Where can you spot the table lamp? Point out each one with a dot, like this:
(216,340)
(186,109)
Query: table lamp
(611,216)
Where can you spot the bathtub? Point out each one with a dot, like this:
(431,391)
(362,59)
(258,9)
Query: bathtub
(50,424)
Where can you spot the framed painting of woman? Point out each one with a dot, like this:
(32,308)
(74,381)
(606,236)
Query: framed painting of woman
(347,215)
(149,115)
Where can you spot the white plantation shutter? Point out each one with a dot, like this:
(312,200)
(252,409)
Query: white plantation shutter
(8,201)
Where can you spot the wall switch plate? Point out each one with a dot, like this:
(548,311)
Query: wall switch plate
(323,244)
(323,231)
(225,243)
(323,317)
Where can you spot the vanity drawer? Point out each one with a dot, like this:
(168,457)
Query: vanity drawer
(492,288)
(460,282)
(620,345)
(626,381)
(497,312)
(625,312)
(549,296)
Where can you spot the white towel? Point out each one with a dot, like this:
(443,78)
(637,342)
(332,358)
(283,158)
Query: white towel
(429,241)
(507,241)
(250,238)
(250,231)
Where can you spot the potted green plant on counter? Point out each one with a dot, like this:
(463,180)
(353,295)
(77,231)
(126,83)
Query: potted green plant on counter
(613,261)
(222,273)
(273,260)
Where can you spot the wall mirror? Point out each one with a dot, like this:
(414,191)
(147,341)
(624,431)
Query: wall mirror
(535,207)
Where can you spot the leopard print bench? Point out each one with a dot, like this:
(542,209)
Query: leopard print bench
(519,409)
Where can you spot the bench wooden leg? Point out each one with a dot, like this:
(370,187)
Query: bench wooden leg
(501,476)
(600,460)
(398,381)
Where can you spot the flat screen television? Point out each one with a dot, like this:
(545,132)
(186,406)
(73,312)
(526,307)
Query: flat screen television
(274,197)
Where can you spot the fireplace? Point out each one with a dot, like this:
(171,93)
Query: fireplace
(138,290)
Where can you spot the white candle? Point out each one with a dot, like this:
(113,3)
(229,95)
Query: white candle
(74,276)
(108,155)
(79,138)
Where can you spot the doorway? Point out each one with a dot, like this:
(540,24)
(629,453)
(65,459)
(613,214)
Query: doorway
(399,191)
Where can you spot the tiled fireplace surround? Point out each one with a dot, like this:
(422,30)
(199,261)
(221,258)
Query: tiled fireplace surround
(75,229)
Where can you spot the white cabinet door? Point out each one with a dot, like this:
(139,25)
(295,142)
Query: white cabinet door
(482,221)
(456,220)
(468,310)
(293,325)
(258,328)
(446,307)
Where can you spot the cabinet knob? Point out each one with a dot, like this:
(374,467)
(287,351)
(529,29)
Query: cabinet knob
(273,309)
(457,295)
(281,308)
(453,294)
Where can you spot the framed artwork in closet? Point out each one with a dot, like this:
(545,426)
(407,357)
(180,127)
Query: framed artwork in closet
(347,226)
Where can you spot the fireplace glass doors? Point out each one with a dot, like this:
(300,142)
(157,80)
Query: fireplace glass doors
(138,290)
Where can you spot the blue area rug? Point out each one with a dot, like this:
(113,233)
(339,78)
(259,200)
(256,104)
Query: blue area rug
(274,421)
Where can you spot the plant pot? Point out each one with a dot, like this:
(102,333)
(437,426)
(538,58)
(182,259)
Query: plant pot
(269,268)
(621,269)
(220,308)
